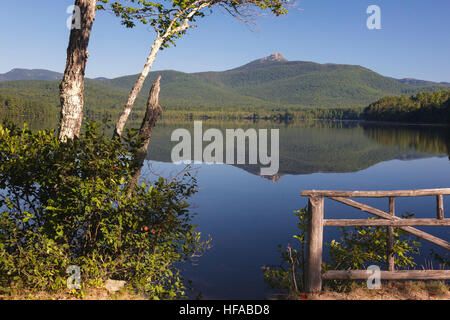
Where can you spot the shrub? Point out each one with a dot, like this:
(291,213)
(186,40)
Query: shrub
(362,246)
(358,248)
(68,203)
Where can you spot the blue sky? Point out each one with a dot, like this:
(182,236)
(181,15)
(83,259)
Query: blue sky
(414,40)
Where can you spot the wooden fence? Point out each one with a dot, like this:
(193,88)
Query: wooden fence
(316,222)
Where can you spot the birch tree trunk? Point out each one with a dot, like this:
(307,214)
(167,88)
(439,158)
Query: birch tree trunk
(171,30)
(152,114)
(72,84)
(137,87)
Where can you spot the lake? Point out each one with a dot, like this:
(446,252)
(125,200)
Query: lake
(248,215)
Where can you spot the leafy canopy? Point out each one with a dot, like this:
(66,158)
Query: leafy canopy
(171,18)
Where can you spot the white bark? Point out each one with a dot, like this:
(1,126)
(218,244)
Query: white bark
(137,87)
(72,84)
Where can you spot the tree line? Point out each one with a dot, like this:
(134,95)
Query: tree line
(29,108)
(424,107)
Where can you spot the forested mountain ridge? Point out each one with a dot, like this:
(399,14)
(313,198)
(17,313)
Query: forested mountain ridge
(416,82)
(270,82)
(286,83)
(30,74)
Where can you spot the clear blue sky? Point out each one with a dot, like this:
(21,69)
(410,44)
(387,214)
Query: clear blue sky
(414,40)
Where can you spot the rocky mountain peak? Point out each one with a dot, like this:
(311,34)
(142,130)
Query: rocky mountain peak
(274,57)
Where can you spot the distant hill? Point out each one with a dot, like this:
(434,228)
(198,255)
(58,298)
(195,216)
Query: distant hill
(27,74)
(269,82)
(416,82)
(34,74)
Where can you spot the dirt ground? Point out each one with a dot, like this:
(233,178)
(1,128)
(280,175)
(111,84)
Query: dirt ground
(410,290)
(91,294)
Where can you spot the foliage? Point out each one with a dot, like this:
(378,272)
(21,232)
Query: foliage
(363,246)
(358,248)
(67,204)
(424,107)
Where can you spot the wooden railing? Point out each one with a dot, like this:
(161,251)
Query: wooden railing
(316,222)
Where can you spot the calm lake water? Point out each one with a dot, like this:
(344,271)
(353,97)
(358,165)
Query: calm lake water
(248,215)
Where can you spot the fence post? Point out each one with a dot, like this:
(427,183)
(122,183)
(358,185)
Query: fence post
(440,207)
(314,246)
(390,240)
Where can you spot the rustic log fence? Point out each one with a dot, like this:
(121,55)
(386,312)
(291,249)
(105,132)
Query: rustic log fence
(316,223)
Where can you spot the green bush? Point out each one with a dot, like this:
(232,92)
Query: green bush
(68,203)
(360,247)
(356,249)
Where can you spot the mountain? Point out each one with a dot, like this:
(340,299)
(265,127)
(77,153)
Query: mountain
(27,74)
(274,81)
(416,82)
(34,74)
(269,82)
